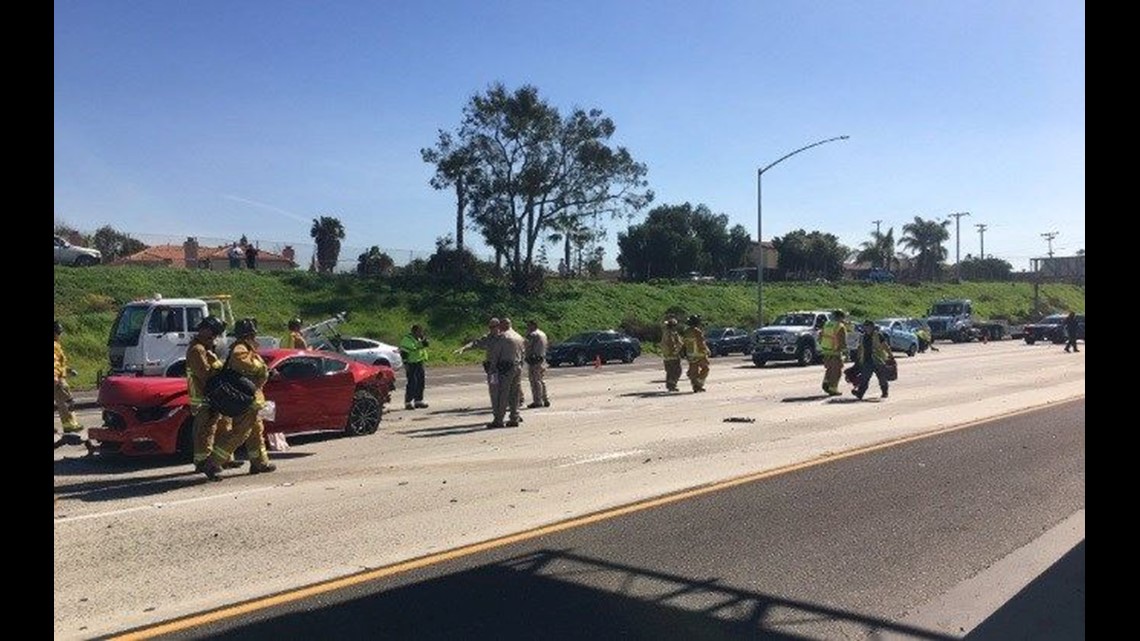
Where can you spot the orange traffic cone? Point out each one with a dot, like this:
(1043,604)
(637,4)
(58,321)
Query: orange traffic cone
(597,361)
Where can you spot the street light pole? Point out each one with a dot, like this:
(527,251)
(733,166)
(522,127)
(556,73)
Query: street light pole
(958,243)
(759,219)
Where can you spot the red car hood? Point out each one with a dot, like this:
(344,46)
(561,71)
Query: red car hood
(141,391)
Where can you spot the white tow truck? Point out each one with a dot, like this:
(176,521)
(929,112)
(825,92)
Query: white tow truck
(149,336)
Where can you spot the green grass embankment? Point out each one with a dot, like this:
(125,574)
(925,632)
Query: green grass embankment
(87,299)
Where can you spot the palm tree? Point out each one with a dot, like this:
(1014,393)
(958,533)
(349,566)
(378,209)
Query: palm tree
(925,238)
(572,233)
(879,251)
(327,232)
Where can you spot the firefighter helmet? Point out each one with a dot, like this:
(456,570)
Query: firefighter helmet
(245,327)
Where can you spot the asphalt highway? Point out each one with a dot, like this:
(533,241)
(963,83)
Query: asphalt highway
(798,514)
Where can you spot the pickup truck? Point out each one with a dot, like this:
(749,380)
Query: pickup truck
(790,337)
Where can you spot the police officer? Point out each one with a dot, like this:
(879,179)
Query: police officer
(696,352)
(536,344)
(671,348)
(506,357)
(484,343)
(248,427)
(294,339)
(832,344)
(63,397)
(202,363)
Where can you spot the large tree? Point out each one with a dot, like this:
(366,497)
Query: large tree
(804,255)
(455,168)
(924,238)
(374,263)
(677,239)
(519,166)
(327,232)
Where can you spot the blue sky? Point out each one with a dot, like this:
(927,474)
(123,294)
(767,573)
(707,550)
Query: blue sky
(222,118)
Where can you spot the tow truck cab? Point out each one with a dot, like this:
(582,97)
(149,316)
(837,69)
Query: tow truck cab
(149,336)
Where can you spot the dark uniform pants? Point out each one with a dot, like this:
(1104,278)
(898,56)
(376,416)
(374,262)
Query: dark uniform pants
(672,373)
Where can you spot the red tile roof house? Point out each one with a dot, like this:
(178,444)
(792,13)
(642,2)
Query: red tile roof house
(190,256)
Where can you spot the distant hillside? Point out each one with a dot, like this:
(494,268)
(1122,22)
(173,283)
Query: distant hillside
(86,300)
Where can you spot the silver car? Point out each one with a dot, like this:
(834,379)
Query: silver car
(897,331)
(364,350)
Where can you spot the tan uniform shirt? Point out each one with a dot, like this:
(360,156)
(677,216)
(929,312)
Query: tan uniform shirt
(536,347)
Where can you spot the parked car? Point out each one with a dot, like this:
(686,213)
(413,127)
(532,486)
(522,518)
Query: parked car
(1052,328)
(723,341)
(916,324)
(312,391)
(607,345)
(74,255)
(900,337)
(879,275)
(362,350)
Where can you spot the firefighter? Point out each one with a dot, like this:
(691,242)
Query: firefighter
(671,348)
(248,427)
(832,344)
(696,352)
(294,339)
(201,364)
(63,398)
(871,358)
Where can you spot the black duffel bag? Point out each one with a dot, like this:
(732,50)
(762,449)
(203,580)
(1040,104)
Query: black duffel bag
(228,392)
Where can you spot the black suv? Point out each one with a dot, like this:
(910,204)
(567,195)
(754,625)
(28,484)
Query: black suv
(1052,328)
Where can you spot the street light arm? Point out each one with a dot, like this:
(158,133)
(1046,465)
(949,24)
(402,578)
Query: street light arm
(789,155)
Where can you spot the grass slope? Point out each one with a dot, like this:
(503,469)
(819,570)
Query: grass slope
(87,299)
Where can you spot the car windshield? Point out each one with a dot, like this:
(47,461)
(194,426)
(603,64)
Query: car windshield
(128,326)
(798,320)
(580,338)
(715,332)
(946,309)
(1053,320)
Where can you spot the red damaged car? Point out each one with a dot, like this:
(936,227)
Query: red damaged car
(313,392)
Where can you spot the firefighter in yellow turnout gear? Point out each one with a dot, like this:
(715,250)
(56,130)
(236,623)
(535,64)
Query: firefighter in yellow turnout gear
(248,427)
(832,344)
(294,339)
(696,352)
(671,347)
(201,364)
(63,398)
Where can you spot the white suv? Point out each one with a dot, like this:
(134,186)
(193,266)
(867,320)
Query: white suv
(74,255)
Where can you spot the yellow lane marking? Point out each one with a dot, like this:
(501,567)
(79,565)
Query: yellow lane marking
(283,598)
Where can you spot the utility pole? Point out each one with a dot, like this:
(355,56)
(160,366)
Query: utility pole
(877,223)
(1049,236)
(982,235)
(958,242)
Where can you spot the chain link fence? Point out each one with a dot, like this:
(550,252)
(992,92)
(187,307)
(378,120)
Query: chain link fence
(303,252)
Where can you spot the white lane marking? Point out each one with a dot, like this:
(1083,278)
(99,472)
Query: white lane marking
(159,506)
(604,457)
